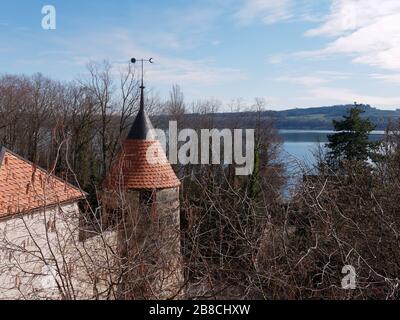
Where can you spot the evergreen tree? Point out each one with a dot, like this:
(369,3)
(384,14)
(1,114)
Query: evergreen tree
(350,141)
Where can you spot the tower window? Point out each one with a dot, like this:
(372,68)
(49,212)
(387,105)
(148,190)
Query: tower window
(147,200)
(146,197)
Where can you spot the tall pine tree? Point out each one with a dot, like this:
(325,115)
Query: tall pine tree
(350,141)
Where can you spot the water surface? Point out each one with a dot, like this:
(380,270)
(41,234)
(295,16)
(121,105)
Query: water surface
(300,145)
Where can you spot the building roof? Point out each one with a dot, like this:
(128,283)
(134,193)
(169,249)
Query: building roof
(142,127)
(142,163)
(25,186)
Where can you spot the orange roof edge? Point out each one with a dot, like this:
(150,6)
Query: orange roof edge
(24,189)
(3,152)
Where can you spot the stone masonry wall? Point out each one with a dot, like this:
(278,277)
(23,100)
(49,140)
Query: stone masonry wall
(152,246)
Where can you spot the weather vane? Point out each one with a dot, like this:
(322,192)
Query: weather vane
(134,60)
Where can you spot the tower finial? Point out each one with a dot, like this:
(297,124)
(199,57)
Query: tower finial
(134,60)
(142,124)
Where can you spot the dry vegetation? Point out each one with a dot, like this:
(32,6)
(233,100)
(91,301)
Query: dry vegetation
(240,238)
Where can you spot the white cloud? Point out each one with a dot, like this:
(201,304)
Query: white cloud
(166,40)
(118,47)
(185,27)
(274,11)
(303,80)
(344,95)
(367,30)
(317,78)
(270,11)
(276,58)
(199,72)
(349,15)
(391,78)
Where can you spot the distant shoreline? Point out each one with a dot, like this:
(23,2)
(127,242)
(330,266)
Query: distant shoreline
(283,131)
(316,136)
(308,119)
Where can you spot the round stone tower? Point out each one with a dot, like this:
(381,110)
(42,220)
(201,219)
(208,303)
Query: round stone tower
(143,195)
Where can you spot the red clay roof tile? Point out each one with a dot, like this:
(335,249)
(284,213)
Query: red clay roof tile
(24,186)
(142,164)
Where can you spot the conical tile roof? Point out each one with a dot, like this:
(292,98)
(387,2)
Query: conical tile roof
(142,163)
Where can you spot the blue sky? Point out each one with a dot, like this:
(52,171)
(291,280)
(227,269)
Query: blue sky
(293,53)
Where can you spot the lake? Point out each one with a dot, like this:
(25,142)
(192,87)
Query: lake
(299,145)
